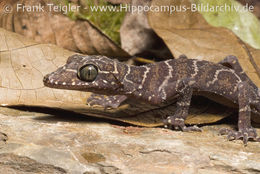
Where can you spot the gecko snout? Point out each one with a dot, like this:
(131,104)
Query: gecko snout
(46,79)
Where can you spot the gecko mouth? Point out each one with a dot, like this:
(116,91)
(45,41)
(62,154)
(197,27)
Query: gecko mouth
(55,84)
(49,82)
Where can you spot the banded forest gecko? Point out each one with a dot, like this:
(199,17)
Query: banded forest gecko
(164,83)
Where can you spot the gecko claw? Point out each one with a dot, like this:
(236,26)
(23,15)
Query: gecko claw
(194,128)
(244,134)
(178,124)
(176,127)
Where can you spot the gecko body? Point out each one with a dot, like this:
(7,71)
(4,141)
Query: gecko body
(167,82)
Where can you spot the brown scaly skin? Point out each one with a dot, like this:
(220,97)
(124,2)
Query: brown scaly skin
(162,83)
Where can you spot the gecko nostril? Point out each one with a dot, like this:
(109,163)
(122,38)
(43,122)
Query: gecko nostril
(45,78)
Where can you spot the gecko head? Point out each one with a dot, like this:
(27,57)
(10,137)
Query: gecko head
(97,74)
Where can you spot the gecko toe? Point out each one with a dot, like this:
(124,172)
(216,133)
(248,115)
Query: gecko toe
(101,100)
(176,123)
(244,134)
(194,128)
(111,101)
(224,131)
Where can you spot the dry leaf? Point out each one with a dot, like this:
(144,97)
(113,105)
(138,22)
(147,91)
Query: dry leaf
(188,33)
(56,28)
(139,39)
(255,3)
(23,64)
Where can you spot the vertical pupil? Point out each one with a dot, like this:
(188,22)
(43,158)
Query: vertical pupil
(89,73)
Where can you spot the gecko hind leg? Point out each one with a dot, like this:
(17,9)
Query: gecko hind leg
(113,101)
(245,130)
(233,63)
(177,121)
(256,102)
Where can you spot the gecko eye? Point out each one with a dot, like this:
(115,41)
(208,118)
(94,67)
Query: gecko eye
(88,73)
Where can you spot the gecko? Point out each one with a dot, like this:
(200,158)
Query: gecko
(164,83)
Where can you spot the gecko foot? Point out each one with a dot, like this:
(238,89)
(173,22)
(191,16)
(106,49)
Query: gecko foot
(176,123)
(244,134)
(100,100)
(106,101)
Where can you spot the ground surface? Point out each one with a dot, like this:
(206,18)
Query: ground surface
(40,143)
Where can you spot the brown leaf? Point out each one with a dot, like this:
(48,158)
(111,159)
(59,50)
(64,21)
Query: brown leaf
(188,33)
(256,5)
(56,28)
(23,64)
(139,39)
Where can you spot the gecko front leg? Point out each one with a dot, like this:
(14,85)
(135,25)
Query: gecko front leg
(113,101)
(177,121)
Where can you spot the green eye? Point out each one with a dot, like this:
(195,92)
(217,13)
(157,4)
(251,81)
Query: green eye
(88,73)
